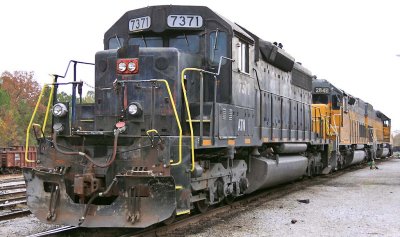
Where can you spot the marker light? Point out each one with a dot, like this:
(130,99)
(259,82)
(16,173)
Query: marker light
(127,66)
(59,110)
(131,66)
(121,67)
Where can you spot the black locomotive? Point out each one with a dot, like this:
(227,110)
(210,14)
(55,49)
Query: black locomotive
(190,110)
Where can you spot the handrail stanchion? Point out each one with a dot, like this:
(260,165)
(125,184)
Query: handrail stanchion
(30,124)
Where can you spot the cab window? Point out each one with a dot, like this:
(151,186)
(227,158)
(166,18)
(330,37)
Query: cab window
(218,47)
(320,99)
(243,56)
(336,102)
(187,43)
(146,41)
(115,43)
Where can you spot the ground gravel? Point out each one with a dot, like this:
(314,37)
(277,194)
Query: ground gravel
(360,203)
(23,226)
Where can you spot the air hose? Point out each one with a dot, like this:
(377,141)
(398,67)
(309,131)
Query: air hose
(114,154)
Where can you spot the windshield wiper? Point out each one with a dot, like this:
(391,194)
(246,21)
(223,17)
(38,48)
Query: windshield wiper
(144,40)
(216,39)
(119,43)
(187,41)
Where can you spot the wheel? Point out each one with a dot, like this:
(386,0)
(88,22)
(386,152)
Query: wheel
(201,206)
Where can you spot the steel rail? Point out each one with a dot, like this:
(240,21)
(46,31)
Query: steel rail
(14,214)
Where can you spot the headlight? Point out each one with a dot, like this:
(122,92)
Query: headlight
(131,66)
(122,66)
(59,110)
(134,109)
(58,127)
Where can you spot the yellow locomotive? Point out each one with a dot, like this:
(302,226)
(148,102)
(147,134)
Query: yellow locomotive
(358,132)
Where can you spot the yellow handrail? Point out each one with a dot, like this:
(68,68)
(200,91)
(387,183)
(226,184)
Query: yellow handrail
(188,110)
(177,120)
(33,117)
(30,124)
(48,107)
(151,130)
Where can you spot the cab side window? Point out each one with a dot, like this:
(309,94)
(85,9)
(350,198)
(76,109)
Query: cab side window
(336,102)
(218,47)
(243,56)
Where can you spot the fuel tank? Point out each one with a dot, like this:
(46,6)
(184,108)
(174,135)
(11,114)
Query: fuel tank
(382,153)
(265,172)
(358,156)
(286,148)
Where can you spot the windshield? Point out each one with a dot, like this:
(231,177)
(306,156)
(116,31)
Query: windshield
(184,42)
(115,43)
(320,99)
(146,41)
(187,43)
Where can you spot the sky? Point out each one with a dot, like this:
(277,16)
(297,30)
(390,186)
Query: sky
(351,43)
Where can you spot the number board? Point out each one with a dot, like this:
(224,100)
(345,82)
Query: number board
(186,21)
(322,90)
(140,23)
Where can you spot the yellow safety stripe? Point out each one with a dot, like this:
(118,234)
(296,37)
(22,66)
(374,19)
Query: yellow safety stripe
(188,110)
(183,212)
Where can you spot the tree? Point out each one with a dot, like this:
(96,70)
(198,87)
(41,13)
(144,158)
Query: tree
(19,93)
(89,98)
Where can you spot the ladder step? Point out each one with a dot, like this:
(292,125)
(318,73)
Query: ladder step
(87,120)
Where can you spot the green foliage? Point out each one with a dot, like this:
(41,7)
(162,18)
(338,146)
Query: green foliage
(89,98)
(4,99)
(63,97)
(18,95)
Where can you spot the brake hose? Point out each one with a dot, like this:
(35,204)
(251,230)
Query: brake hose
(114,154)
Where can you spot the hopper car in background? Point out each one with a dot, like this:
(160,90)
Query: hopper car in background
(12,159)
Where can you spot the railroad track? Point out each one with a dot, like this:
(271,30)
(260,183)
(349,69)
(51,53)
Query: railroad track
(54,232)
(12,195)
(11,187)
(182,226)
(9,180)
(14,214)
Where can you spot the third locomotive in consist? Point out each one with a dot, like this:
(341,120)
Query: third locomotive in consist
(190,110)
